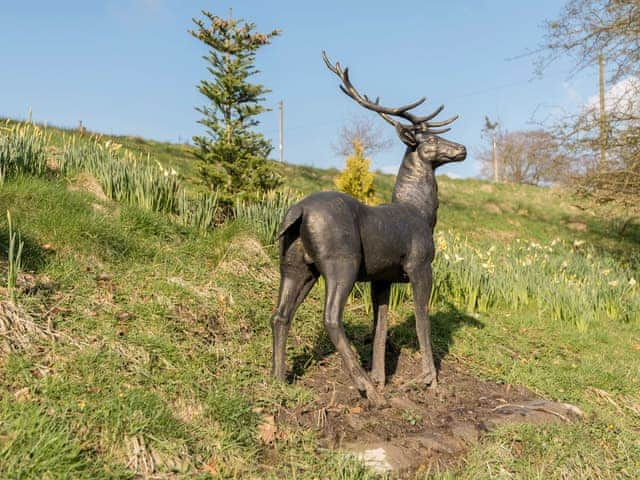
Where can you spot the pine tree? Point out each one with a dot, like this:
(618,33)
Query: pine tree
(233,157)
(356,179)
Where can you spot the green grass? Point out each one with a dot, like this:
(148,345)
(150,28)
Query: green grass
(173,155)
(163,353)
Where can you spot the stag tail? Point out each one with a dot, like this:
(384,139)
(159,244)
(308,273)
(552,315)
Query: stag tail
(293,215)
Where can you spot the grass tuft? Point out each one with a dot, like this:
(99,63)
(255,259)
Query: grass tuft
(15,259)
(23,150)
(265,214)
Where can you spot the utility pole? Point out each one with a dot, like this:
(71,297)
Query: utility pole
(603,117)
(490,127)
(495,158)
(281,145)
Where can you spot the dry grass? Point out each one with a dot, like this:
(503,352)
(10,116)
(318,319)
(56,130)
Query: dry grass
(151,463)
(246,256)
(18,330)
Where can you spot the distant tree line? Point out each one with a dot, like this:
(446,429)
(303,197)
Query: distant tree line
(596,151)
(525,156)
(607,143)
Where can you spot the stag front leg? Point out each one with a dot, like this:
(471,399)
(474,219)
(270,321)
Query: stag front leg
(293,290)
(421,281)
(340,278)
(380,299)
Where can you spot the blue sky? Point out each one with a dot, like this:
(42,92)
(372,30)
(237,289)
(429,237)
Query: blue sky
(130,67)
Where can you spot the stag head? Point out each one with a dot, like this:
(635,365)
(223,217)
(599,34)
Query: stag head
(421,135)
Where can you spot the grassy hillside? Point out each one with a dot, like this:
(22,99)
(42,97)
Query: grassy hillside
(303,179)
(140,347)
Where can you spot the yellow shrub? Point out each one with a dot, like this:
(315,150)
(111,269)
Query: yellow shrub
(356,179)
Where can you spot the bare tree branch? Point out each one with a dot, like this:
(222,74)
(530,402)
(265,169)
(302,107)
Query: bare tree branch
(526,156)
(370,134)
(585,30)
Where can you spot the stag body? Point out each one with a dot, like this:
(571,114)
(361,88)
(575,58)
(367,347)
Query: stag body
(333,235)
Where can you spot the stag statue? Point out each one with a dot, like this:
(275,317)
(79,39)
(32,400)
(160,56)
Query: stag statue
(333,235)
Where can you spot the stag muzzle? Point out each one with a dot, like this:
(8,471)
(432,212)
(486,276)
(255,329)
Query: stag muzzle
(452,152)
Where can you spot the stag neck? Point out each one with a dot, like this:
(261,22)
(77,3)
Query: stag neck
(416,186)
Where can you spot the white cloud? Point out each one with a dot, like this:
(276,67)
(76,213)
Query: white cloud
(622,97)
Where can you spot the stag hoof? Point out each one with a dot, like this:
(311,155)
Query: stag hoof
(430,380)
(375,397)
(377,379)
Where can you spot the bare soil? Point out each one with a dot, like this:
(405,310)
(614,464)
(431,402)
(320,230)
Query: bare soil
(421,428)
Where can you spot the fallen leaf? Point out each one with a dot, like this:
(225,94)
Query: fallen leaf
(267,430)
(356,410)
(211,467)
(23,395)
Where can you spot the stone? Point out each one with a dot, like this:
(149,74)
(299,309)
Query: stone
(534,412)
(577,226)
(383,457)
(492,208)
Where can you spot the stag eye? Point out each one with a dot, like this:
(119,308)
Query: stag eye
(428,143)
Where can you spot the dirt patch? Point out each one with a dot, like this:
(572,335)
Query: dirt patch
(420,428)
(492,208)
(88,183)
(577,226)
(246,256)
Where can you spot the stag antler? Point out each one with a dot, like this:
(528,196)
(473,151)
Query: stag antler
(422,124)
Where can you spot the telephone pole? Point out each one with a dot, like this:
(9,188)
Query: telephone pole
(603,116)
(490,128)
(494,153)
(281,145)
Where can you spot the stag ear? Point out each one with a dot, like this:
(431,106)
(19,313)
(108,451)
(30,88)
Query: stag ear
(406,135)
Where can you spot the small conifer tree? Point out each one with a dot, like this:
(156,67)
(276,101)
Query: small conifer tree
(356,179)
(233,157)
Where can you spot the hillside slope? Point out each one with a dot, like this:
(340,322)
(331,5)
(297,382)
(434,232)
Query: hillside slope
(303,179)
(140,348)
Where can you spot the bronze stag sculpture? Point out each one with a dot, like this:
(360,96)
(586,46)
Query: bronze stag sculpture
(332,235)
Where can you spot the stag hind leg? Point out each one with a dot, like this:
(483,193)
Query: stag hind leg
(421,281)
(380,299)
(296,281)
(340,276)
